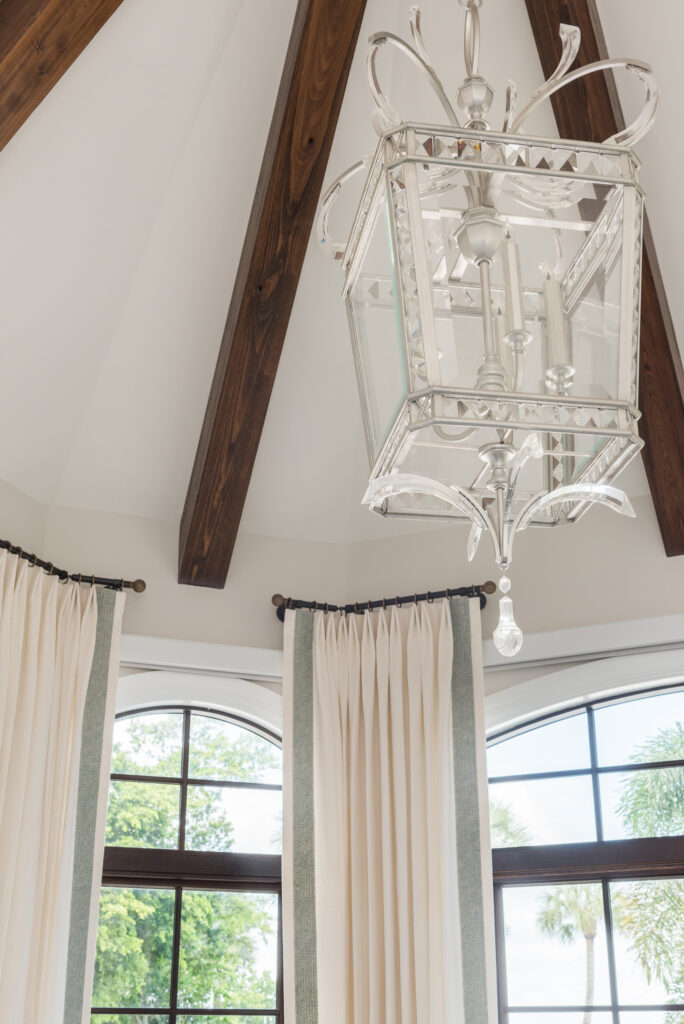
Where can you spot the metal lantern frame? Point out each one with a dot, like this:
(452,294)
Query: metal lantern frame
(578,442)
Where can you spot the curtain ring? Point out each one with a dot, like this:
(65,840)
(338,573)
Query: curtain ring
(123,581)
(325,610)
(356,607)
(384,603)
(415,599)
(32,560)
(80,577)
(19,552)
(315,606)
(92,581)
(49,569)
(430,598)
(398,601)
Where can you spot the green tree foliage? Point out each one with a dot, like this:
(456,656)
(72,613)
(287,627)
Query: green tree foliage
(652,802)
(651,912)
(505,829)
(222,933)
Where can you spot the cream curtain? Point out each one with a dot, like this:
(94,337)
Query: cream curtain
(58,664)
(387,888)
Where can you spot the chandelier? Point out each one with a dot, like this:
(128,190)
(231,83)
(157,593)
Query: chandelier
(492,283)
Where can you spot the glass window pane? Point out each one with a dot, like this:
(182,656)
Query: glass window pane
(228,753)
(652,1017)
(143,814)
(134,940)
(555,946)
(648,922)
(126,1018)
(542,811)
(552,747)
(219,1019)
(229,818)
(646,729)
(149,744)
(566,1017)
(643,803)
(228,950)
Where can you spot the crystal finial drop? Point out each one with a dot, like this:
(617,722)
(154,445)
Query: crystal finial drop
(508,636)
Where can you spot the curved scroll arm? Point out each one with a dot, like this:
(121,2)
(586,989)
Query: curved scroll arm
(409,483)
(335,249)
(571,37)
(389,116)
(634,131)
(601,494)
(594,493)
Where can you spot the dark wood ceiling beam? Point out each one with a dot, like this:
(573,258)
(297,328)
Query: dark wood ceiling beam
(589,109)
(316,68)
(39,40)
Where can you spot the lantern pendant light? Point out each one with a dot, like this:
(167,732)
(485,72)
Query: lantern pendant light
(492,283)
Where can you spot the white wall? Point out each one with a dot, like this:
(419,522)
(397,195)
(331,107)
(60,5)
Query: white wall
(575,576)
(562,578)
(22,520)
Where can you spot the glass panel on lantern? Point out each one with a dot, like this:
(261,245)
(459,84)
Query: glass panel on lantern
(591,290)
(377,332)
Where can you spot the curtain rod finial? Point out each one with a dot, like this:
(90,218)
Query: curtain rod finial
(489,587)
(139,586)
(278,600)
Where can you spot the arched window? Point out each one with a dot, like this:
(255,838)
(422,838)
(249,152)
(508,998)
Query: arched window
(189,920)
(587,816)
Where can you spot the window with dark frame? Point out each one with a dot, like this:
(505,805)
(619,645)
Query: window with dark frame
(587,815)
(588,828)
(189,928)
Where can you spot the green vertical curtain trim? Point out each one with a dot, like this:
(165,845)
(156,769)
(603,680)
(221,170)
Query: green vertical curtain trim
(86,811)
(468,841)
(306,985)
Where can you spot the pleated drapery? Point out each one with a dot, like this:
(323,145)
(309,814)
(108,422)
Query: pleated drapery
(387,888)
(58,665)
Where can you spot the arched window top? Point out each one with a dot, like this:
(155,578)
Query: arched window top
(610,769)
(194,779)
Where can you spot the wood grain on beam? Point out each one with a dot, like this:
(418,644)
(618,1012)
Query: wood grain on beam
(307,107)
(589,109)
(39,40)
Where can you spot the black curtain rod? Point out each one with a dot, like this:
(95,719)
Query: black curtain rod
(95,581)
(477,590)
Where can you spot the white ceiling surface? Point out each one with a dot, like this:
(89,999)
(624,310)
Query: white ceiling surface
(123,207)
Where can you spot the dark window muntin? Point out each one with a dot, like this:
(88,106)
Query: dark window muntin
(568,863)
(181,869)
(595,771)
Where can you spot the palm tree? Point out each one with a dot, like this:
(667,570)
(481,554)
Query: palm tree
(569,911)
(651,912)
(504,828)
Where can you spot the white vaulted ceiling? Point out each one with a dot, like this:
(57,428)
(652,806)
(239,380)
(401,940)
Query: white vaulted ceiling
(123,206)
